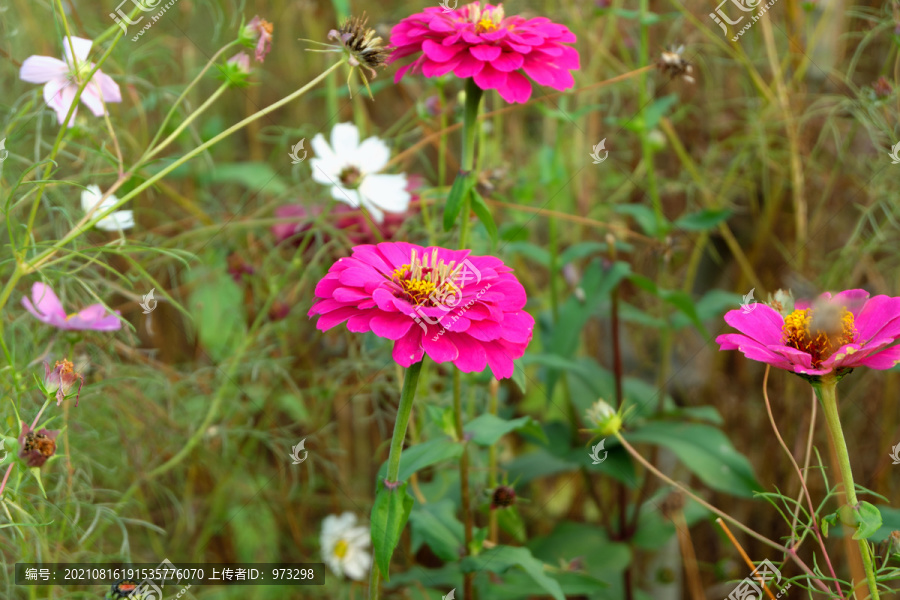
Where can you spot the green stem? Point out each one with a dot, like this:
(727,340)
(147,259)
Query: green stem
(643,100)
(404,410)
(184,124)
(467,165)
(407,395)
(826,393)
(82,226)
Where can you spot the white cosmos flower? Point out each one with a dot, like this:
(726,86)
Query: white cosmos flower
(344,546)
(119,220)
(351,169)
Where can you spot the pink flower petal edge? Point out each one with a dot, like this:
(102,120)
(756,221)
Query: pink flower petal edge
(480,323)
(46,307)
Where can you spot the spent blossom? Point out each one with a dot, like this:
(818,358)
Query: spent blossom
(61,379)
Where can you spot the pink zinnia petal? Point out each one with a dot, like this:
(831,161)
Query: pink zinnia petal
(480,323)
(486,45)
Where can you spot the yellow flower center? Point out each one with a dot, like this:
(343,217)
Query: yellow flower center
(428,282)
(819,331)
(485,24)
(341,548)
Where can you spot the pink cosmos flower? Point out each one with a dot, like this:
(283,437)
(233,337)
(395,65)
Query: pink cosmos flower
(62,79)
(480,42)
(258,31)
(45,305)
(836,334)
(445,303)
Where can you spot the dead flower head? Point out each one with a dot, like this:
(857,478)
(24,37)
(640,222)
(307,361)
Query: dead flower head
(674,65)
(35,447)
(61,379)
(364,49)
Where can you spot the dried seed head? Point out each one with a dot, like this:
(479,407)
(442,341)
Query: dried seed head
(366,49)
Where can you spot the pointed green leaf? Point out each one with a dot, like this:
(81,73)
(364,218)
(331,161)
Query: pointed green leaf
(389,515)
(502,558)
(458,191)
(481,210)
(424,455)
(436,524)
(36,471)
(487,429)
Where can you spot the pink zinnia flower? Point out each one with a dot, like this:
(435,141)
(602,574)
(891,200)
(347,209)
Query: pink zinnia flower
(445,303)
(45,305)
(480,42)
(835,335)
(62,80)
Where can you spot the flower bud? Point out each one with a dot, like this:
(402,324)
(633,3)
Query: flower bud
(603,418)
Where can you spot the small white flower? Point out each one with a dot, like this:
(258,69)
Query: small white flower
(119,220)
(351,169)
(344,546)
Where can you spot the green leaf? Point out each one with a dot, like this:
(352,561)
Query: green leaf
(389,515)
(36,472)
(255,176)
(868,520)
(436,525)
(487,429)
(644,216)
(217,307)
(511,522)
(650,117)
(519,377)
(481,210)
(677,298)
(531,251)
(702,221)
(458,191)
(424,455)
(828,521)
(502,558)
(705,451)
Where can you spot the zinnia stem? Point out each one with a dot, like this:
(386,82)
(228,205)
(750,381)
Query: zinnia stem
(404,410)
(826,393)
(470,129)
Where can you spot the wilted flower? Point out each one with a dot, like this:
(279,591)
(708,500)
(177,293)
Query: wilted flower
(61,379)
(236,70)
(504,496)
(448,304)
(35,447)
(835,335)
(114,221)
(882,87)
(352,170)
(365,49)
(46,307)
(481,42)
(63,78)
(782,301)
(258,32)
(344,546)
(238,267)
